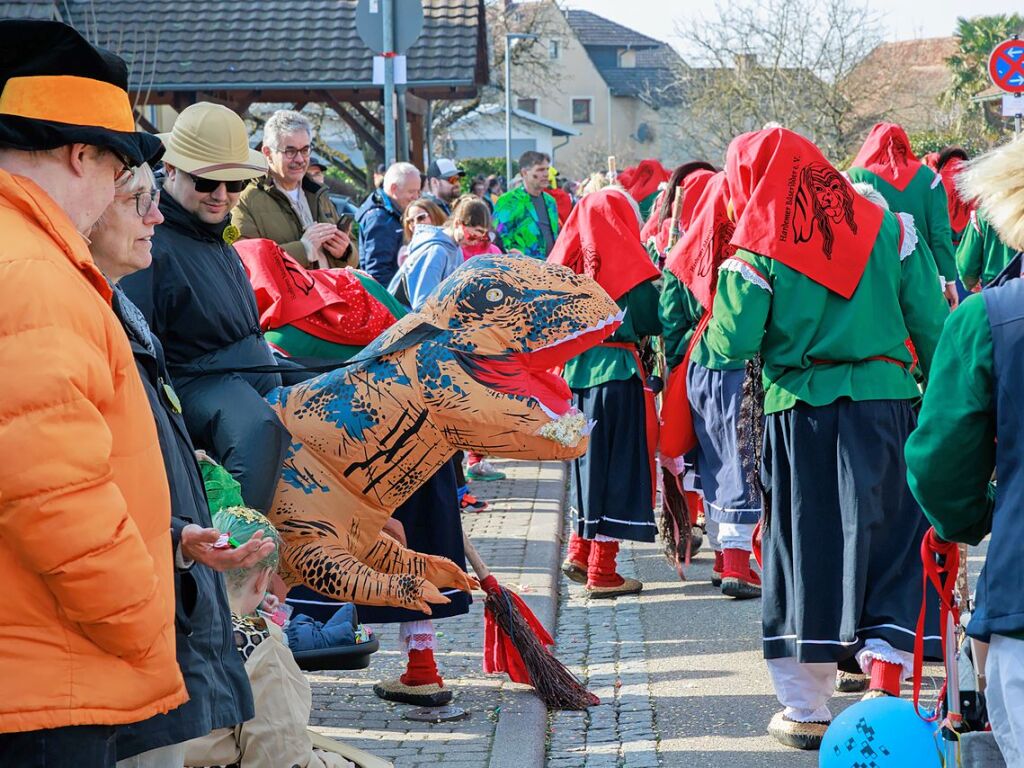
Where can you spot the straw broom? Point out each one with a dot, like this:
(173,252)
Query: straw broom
(515,642)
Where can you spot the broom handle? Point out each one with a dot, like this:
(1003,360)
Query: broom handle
(612,172)
(677,212)
(479,566)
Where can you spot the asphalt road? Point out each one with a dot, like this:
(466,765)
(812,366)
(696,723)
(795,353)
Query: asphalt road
(710,687)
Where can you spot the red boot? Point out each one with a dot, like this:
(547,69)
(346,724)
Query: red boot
(885,679)
(421,685)
(738,578)
(602,578)
(716,571)
(576,559)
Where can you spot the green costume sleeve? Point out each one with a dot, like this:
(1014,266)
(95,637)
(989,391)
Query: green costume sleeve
(952,453)
(642,307)
(970,256)
(923,305)
(940,234)
(680,313)
(741,307)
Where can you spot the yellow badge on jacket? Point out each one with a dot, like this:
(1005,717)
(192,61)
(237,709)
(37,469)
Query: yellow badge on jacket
(171,395)
(231,233)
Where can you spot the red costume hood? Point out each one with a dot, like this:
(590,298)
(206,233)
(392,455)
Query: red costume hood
(691,188)
(705,242)
(601,239)
(642,180)
(330,304)
(791,205)
(959,208)
(887,154)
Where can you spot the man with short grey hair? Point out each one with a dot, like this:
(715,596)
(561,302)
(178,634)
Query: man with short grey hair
(288,207)
(380,220)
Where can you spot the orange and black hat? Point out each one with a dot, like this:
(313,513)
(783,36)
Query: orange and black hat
(59,89)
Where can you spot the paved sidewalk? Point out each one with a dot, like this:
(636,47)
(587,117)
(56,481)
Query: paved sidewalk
(517,538)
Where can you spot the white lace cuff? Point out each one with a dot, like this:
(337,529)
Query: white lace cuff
(747,272)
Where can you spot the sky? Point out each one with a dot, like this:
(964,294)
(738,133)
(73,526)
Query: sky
(904,19)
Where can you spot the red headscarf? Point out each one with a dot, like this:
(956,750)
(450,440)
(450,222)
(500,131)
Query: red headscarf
(690,189)
(959,209)
(792,205)
(887,154)
(601,238)
(705,241)
(330,304)
(642,180)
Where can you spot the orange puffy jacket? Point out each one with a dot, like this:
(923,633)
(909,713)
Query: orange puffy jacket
(87,610)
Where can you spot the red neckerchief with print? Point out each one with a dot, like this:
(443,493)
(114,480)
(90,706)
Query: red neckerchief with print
(887,154)
(959,209)
(791,205)
(330,304)
(601,239)
(705,242)
(642,180)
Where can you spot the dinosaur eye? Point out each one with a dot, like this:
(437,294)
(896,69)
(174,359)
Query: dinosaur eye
(495,295)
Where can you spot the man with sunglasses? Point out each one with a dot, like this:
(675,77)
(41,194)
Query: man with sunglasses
(199,303)
(287,207)
(444,183)
(87,621)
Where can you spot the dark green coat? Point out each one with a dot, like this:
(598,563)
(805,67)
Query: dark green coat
(265,211)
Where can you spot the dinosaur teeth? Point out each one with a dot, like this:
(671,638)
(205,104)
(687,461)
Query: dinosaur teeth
(601,325)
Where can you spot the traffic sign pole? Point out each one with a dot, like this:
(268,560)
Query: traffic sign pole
(388,20)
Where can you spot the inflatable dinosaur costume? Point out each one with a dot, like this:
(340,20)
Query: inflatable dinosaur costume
(469,371)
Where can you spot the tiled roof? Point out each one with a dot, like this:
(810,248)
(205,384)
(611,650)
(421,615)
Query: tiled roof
(252,44)
(592,29)
(903,81)
(28,9)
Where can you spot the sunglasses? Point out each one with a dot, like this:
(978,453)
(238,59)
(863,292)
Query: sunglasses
(205,186)
(419,218)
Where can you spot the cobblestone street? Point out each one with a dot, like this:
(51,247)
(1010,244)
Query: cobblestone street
(517,539)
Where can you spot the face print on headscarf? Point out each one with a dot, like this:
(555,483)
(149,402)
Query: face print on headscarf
(824,199)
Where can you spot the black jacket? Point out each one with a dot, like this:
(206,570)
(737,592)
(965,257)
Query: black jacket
(199,303)
(218,688)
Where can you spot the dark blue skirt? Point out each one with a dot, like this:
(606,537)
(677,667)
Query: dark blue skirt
(841,541)
(610,485)
(433,526)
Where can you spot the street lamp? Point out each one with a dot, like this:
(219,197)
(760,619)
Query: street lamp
(509,37)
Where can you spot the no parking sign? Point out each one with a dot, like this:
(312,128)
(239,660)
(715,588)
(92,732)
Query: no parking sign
(1006,66)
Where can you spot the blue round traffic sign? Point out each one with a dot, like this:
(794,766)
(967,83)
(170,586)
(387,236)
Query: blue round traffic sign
(1006,66)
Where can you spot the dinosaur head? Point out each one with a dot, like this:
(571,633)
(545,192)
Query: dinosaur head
(493,332)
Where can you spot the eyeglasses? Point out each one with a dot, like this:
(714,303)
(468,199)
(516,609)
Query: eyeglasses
(204,186)
(291,152)
(126,170)
(145,199)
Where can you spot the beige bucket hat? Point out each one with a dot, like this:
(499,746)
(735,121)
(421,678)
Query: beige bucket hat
(210,140)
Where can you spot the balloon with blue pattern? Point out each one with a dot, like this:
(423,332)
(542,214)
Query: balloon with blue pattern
(881,733)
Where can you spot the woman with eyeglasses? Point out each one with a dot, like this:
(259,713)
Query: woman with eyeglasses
(421,211)
(219,696)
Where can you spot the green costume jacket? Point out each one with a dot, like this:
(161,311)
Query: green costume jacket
(680,313)
(926,202)
(516,221)
(981,255)
(819,347)
(602,364)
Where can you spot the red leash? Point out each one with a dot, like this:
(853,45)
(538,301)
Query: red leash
(932,547)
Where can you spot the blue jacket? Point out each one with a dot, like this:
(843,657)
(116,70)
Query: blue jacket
(433,256)
(380,236)
(1000,595)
